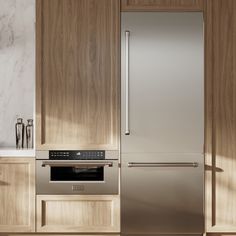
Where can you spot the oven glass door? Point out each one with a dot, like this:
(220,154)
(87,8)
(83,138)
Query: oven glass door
(77,174)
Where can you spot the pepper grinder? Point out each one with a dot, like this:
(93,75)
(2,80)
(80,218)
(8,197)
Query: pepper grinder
(30,134)
(19,127)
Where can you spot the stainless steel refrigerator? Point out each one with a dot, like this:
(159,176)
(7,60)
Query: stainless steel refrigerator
(162,141)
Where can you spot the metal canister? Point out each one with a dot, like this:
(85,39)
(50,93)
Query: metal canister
(30,134)
(19,128)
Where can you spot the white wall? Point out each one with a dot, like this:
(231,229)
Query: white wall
(17,65)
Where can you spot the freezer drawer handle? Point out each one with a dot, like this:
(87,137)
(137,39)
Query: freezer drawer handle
(78,164)
(127,35)
(163,164)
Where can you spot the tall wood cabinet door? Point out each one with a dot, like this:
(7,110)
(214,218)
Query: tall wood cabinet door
(78,213)
(221,234)
(220,116)
(162,5)
(78,74)
(17,194)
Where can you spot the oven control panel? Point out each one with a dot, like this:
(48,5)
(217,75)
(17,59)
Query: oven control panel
(77,155)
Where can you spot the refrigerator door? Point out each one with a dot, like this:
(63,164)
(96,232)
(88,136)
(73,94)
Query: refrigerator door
(162,194)
(162,83)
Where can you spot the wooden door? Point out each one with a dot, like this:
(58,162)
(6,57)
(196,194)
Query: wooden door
(17,194)
(223,234)
(162,5)
(62,234)
(81,214)
(220,116)
(78,74)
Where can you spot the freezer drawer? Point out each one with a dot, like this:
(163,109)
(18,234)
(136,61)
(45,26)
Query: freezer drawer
(162,194)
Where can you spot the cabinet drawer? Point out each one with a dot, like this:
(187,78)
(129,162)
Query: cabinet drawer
(87,213)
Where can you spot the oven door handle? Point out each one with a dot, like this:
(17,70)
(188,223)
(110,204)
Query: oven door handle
(78,164)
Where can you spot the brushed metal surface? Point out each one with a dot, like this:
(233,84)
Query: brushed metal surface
(127,131)
(70,163)
(110,185)
(164,235)
(162,200)
(163,164)
(110,155)
(166,122)
(166,82)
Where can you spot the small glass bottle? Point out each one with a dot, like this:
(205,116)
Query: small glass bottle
(30,134)
(20,128)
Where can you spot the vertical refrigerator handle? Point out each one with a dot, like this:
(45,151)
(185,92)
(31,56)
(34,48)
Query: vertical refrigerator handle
(127,35)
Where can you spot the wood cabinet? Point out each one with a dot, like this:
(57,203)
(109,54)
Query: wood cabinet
(63,234)
(78,83)
(78,213)
(162,5)
(17,194)
(220,116)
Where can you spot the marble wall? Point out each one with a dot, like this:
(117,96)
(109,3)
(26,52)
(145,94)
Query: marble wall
(17,65)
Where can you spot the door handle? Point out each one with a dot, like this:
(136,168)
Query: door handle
(163,164)
(77,164)
(127,129)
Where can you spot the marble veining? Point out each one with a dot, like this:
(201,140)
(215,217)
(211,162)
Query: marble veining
(17,65)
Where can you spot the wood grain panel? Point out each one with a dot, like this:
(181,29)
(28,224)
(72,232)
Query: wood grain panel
(58,213)
(17,194)
(221,234)
(162,5)
(78,74)
(221,147)
(61,234)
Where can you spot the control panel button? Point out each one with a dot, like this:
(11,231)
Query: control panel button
(77,155)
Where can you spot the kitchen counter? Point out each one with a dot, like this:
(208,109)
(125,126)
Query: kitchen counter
(8,152)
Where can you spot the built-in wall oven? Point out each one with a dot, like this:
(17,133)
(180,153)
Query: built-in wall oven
(77,172)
